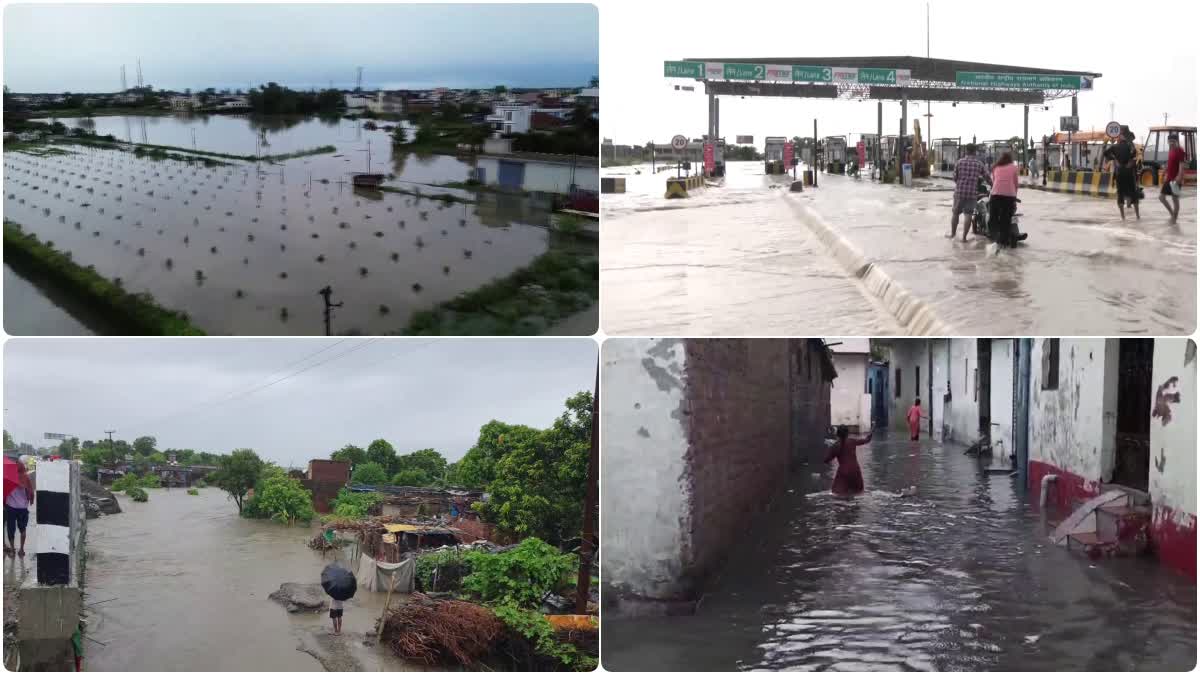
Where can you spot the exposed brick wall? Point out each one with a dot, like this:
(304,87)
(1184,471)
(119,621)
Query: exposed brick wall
(810,401)
(323,492)
(329,470)
(739,436)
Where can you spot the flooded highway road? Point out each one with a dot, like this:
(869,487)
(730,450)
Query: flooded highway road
(957,577)
(747,255)
(189,581)
(723,262)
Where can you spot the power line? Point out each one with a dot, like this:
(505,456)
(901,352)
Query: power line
(231,394)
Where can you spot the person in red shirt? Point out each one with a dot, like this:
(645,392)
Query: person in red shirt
(849,479)
(1173,182)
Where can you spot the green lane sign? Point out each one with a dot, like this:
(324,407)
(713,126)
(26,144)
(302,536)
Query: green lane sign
(692,69)
(1021,80)
(745,71)
(812,74)
(877,76)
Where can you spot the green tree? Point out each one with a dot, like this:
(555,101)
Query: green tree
(500,89)
(428,461)
(237,473)
(540,481)
(144,445)
(354,505)
(352,454)
(382,453)
(282,498)
(369,474)
(412,478)
(8,439)
(399,136)
(478,467)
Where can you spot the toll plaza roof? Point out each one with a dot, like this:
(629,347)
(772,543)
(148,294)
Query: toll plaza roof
(886,77)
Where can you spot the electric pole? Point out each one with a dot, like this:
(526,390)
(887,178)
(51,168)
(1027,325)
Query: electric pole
(329,307)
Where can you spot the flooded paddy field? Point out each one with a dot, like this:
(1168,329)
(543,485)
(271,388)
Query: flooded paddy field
(244,247)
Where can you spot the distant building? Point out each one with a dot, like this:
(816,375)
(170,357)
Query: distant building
(511,119)
(357,101)
(849,402)
(184,103)
(387,104)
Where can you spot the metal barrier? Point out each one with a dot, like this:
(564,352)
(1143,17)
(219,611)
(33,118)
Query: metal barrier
(1090,183)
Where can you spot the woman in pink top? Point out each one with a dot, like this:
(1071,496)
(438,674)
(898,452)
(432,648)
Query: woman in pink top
(1003,202)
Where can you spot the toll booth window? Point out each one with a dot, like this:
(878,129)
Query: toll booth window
(1050,363)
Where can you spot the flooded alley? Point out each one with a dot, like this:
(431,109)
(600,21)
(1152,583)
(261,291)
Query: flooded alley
(954,575)
(181,583)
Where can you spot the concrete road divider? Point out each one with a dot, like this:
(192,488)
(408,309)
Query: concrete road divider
(679,187)
(612,184)
(1090,183)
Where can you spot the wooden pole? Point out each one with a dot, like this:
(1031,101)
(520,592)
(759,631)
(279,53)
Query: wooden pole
(386,603)
(587,549)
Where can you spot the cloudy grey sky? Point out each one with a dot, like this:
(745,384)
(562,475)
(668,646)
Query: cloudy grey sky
(1148,67)
(198,393)
(55,48)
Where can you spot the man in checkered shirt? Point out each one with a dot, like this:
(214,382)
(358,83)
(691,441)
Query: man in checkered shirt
(967,173)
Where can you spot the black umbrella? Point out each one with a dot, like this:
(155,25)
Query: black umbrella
(338,582)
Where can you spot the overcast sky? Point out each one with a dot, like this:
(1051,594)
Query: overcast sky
(1148,67)
(186,393)
(55,48)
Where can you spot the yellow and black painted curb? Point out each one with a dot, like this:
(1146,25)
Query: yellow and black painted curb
(1089,183)
(679,187)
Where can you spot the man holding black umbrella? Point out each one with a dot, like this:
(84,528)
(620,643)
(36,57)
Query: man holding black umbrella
(340,585)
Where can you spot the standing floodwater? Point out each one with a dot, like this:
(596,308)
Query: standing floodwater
(188,581)
(958,576)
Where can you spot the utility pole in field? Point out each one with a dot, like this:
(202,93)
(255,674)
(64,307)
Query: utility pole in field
(329,307)
(587,547)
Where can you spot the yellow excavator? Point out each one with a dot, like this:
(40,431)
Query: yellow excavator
(920,162)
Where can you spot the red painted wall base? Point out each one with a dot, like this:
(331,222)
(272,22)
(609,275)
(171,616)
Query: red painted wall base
(1174,539)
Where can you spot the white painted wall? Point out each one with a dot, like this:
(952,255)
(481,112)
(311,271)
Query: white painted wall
(845,402)
(546,177)
(1002,398)
(907,355)
(936,406)
(1067,426)
(962,418)
(1173,445)
(644,508)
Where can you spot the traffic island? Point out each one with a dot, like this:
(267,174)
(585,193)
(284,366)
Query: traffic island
(679,187)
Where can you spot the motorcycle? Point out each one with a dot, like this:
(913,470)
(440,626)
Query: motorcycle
(979,220)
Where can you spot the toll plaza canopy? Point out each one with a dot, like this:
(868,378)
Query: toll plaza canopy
(883,78)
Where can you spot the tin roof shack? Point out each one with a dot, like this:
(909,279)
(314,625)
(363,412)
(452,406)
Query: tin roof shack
(414,502)
(394,541)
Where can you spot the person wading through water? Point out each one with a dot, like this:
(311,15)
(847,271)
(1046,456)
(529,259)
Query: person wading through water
(914,420)
(849,479)
(1124,156)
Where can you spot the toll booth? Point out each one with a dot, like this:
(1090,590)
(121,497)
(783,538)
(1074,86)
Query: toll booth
(945,154)
(773,155)
(835,154)
(1155,150)
(870,145)
(991,151)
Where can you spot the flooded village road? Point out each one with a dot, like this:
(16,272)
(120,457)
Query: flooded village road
(189,581)
(959,576)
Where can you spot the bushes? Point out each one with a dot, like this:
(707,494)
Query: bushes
(281,498)
(193,492)
(521,576)
(201,484)
(441,570)
(138,312)
(137,494)
(354,505)
(535,628)
(133,481)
